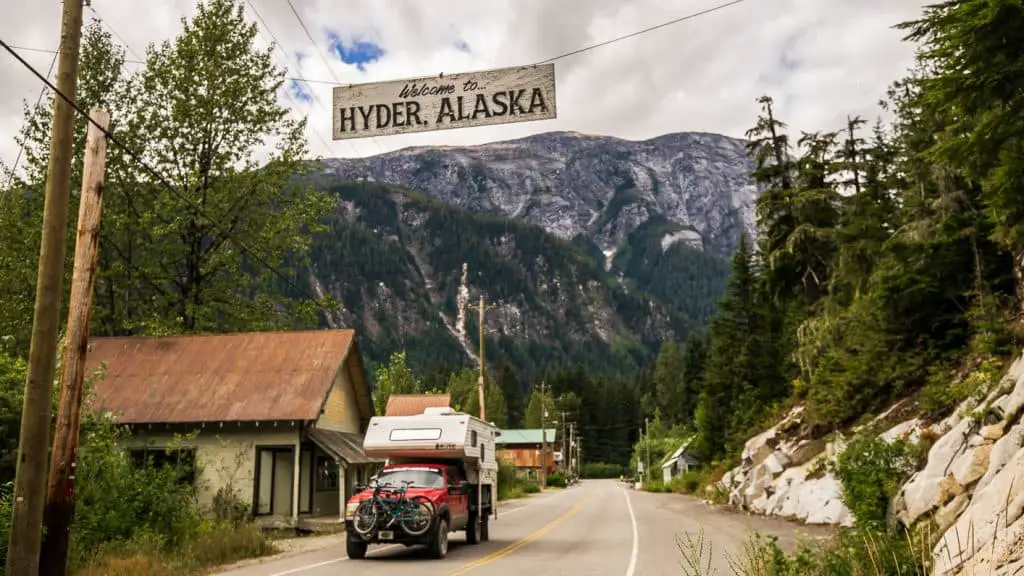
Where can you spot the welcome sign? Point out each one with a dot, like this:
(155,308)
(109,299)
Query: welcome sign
(465,100)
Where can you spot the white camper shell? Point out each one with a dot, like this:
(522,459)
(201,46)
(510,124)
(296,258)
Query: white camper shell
(437,434)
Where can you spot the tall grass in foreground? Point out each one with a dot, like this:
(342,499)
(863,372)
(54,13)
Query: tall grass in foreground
(219,543)
(847,553)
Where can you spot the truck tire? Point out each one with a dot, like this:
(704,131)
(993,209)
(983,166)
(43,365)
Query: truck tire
(355,548)
(438,546)
(473,530)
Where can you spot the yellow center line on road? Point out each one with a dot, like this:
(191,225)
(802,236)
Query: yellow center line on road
(523,541)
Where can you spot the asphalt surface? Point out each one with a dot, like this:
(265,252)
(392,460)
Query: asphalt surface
(597,527)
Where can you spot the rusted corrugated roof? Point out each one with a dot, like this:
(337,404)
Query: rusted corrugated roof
(344,445)
(220,377)
(413,404)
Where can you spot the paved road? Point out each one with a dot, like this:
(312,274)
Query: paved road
(596,528)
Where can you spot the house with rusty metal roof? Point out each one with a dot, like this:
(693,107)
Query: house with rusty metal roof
(524,449)
(413,404)
(275,419)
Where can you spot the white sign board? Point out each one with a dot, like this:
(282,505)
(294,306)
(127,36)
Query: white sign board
(471,99)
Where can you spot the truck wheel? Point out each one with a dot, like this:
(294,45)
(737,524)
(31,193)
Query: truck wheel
(439,543)
(355,548)
(473,530)
(485,533)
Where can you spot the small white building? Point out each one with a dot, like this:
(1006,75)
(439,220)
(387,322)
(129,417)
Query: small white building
(679,462)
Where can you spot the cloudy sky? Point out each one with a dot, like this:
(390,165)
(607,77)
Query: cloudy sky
(819,59)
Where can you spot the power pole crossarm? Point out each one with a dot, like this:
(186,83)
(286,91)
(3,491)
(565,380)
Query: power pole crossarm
(33,444)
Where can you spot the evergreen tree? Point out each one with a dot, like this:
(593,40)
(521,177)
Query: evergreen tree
(513,393)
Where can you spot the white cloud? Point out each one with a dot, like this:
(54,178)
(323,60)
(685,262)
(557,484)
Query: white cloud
(819,59)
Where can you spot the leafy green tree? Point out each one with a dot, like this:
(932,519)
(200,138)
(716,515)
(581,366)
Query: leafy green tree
(395,378)
(533,408)
(193,225)
(464,390)
(12,384)
(668,381)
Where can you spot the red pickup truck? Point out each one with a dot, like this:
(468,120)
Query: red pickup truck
(440,477)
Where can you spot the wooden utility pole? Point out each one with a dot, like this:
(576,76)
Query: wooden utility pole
(572,438)
(543,437)
(482,308)
(647,435)
(579,456)
(34,440)
(59,510)
(564,424)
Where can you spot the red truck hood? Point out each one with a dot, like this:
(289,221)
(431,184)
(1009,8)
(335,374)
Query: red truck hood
(436,495)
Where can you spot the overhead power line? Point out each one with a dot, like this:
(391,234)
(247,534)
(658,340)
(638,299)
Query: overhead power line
(645,30)
(246,250)
(142,62)
(323,58)
(21,149)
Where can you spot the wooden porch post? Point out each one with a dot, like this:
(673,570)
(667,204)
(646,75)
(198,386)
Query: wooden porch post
(341,488)
(296,476)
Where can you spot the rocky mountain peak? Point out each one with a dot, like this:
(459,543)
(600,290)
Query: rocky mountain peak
(598,187)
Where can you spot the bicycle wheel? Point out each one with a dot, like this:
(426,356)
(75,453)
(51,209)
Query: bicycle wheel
(417,515)
(364,519)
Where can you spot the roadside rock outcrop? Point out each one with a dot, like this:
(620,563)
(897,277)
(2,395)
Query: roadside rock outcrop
(971,487)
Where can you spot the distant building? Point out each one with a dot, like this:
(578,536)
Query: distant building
(413,404)
(277,417)
(522,448)
(678,462)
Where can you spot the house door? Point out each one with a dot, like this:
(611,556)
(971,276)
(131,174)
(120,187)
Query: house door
(274,470)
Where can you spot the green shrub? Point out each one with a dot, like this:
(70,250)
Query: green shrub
(510,485)
(6,510)
(871,471)
(655,486)
(531,488)
(140,519)
(556,480)
(602,470)
(686,483)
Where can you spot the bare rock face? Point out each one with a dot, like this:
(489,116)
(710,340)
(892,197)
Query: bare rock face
(971,487)
(574,184)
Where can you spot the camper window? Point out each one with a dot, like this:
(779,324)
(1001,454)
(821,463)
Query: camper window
(417,477)
(472,436)
(400,434)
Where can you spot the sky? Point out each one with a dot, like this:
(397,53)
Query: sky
(821,60)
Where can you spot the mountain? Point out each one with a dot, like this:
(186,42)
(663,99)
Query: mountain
(596,248)
(598,187)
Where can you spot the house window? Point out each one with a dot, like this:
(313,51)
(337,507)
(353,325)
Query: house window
(182,459)
(326,474)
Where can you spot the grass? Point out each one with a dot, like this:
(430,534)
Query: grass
(851,553)
(218,544)
(518,490)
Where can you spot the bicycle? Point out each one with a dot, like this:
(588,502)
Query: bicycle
(414,514)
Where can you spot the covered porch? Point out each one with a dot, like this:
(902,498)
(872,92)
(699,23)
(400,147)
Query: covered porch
(306,485)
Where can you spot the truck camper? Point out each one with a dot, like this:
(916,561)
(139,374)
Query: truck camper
(440,476)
